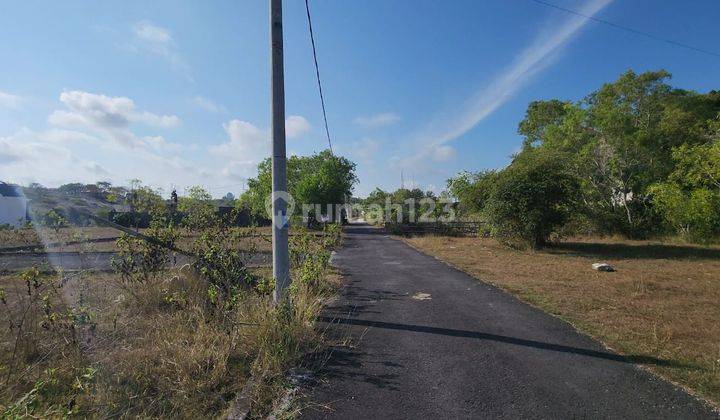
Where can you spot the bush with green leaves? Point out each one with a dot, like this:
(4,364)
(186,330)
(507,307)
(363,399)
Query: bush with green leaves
(198,209)
(220,264)
(532,199)
(690,199)
(141,260)
(694,214)
(54,220)
(472,190)
(41,330)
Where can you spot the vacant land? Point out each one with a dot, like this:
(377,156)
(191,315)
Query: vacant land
(156,339)
(74,248)
(102,239)
(663,301)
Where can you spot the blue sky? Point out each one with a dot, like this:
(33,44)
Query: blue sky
(176,93)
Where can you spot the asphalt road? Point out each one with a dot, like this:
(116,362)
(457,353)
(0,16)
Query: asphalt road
(428,341)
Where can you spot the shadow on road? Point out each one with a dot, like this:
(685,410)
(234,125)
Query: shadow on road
(347,363)
(635,359)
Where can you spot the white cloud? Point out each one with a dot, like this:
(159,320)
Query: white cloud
(378,120)
(108,117)
(245,135)
(105,111)
(531,60)
(106,123)
(238,170)
(208,105)
(153,34)
(157,40)
(159,144)
(249,144)
(295,126)
(148,118)
(93,138)
(443,153)
(61,136)
(8,100)
(95,168)
(54,157)
(29,157)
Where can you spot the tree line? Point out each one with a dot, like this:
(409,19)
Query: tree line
(636,157)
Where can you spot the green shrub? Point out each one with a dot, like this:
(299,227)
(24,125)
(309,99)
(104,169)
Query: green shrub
(531,199)
(694,214)
(139,260)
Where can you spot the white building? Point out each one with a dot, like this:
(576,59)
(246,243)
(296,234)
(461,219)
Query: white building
(13,205)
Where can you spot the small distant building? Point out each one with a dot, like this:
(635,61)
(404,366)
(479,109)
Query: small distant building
(13,205)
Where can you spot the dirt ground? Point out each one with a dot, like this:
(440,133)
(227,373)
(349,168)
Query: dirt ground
(663,300)
(102,239)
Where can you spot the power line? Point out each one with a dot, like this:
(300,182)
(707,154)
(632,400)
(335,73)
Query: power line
(628,29)
(317,74)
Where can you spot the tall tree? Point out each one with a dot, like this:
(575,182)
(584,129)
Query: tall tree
(322,178)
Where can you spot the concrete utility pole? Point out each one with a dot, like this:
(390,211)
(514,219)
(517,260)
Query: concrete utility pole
(281,257)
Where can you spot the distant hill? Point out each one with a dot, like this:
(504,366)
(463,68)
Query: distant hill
(71,202)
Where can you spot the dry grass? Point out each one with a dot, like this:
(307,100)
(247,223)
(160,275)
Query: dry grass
(663,301)
(160,348)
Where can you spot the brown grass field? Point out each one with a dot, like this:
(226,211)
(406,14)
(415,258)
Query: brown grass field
(663,301)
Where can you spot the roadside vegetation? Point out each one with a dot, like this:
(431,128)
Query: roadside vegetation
(156,338)
(637,158)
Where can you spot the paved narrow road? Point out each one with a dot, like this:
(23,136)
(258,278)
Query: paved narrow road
(428,341)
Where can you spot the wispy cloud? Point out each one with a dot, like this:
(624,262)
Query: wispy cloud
(158,40)
(208,105)
(531,60)
(8,100)
(378,120)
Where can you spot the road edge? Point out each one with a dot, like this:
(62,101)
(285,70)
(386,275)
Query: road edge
(715,408)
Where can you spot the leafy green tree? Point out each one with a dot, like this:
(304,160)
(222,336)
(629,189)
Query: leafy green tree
(54,219)
(374,205)
(532,198)
(539,116)
(322,178)
(694,213)
(198,208)
(619,142)
(472,190)
(690,199)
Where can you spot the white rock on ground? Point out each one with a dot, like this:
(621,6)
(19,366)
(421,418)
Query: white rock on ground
(603,267)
